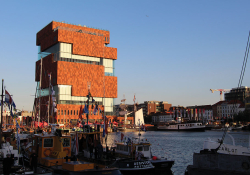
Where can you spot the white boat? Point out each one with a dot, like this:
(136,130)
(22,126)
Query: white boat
(231,149)
(219,158)
(182,127)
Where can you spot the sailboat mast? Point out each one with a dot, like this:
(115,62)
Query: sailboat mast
(1,133)
(40,90)
(49,97)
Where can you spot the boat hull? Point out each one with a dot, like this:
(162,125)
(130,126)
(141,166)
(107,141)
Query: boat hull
(128,166)
(218,164)
(182,127)
(110,171)
(162,165)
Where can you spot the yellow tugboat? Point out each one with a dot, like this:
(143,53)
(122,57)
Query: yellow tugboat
(54,152)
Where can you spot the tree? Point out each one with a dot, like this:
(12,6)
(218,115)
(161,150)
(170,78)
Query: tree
(242,116)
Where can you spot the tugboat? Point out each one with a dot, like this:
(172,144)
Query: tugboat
(54,152)
(138,149)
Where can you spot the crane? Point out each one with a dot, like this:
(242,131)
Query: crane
(221,91)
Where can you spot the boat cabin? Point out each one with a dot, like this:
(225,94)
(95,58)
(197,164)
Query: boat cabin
(51,148)
(124,149)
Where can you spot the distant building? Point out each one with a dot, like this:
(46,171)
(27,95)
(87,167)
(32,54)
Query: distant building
(240,94)
(247,104)
(152,107)
(227,109)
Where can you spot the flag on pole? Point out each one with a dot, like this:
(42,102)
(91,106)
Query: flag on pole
(80,113)
(134,98)
(86,110)
(95,109)
(8,98)
(104,127)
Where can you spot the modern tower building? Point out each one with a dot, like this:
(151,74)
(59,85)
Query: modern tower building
(74,59)
(239,93)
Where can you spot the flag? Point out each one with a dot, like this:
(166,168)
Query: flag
(122,135)
(8,98)
(104,127)
(80,113)
(95,109)
(134,98)
(129,140)
(86,110)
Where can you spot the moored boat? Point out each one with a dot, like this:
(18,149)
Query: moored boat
(220,158)
(141,149)
(181,127)
(54,152)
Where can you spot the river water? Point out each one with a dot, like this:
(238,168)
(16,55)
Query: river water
(180,146)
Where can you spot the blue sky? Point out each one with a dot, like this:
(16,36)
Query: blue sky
(171,51)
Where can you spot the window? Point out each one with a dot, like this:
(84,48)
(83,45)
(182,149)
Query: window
(140,148)
(68,112)
(61,120)
(77,112)
(66,142)
(58,112)
(71,112)
(58,120)
(74,112)
(146,148)
(64,112)
(47,142)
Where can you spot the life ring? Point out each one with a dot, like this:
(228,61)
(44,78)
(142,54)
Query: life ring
(45,152)
(68,151)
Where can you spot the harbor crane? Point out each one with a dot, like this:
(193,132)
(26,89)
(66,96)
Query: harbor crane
(221,91)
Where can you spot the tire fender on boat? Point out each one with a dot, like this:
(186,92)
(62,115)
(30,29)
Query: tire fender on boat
(68,151)
(47,155)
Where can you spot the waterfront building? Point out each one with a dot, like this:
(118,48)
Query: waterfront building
(152,107)
(74,59)
(227,109)
(240,94)
(208,114)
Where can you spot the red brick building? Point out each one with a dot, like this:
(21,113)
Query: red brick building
(76,56)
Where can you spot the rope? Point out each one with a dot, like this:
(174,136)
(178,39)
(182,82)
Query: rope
(239,85)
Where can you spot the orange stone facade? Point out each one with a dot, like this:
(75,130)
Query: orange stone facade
(86,60)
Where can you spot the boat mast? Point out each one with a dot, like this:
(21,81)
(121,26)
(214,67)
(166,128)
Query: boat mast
(1,133)
(49,97)
(40,90)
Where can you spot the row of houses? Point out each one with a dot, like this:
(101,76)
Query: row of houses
(206,113)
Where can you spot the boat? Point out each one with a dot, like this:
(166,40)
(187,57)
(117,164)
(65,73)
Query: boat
(220,158)
(237,127)
(181,127)
(137,148)
(54,151)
